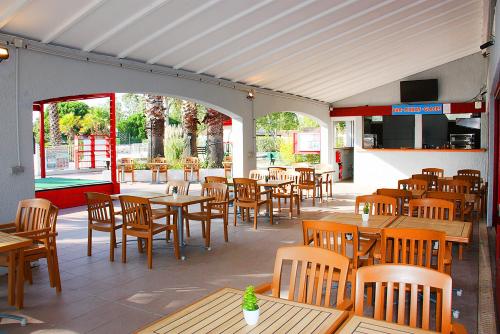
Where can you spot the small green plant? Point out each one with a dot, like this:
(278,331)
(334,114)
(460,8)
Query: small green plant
(174,190)
(366,208)
(249,299)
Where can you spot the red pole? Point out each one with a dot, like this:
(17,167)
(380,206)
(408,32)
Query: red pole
(92,151)
(112,140)
(42,141)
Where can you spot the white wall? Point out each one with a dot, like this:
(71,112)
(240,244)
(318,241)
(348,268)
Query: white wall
(44,76)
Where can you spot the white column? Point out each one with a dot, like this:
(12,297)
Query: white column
(326,134)
(418,131)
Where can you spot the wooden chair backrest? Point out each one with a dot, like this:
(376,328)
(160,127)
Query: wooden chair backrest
(431,179)
(217,190)
(53,214)
(379,204)
(33,214)
(413,246)
(469,172)
(182,187)
(136,212)
(100,208)
(286,176)
(413,184)
(432,208)
(275,171)
(257,174)
(306,176)
(128,164)
(339,238)
(216,179)
(312,272)
(455,185)
(401,196)
(228,158)
(456,198)
(245,190)
(191,163)
(162,168)
(418,280)
(433,171)
(474,181)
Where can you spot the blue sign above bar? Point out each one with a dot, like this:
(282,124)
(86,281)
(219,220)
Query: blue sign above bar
(417,109)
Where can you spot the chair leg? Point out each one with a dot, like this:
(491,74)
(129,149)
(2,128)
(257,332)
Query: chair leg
(298,205)
(50,265)
(57,274)
(460,251)
(235,207)
(188,232)
(270,211)
(255,217)
(225,221)
(279,204)
(139,245)
(207,233)
(203,232)
(112,243)
(256,212)
(20,282)
(89,242)
(314,196)
(149,241)
(29,274)
(12,277)
(124,246)
(176,244)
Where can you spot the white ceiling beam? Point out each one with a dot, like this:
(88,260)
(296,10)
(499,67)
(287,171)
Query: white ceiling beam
(72,20)
(124,24)
(167,27)
(11,11)
(325,67)
(244,33)
(276,35)
(216,27)
(328,40)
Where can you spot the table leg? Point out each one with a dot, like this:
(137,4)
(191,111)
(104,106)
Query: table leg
(12,277)
(20,280)
(158,175)
(180,231)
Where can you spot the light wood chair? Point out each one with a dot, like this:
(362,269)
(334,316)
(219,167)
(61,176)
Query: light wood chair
(402,197)
(275,171)
(128,168)
(392,282)
(247,195)
(379,204)
(431,180)
(287,192)
(413,184)
(191,165)
(215,209)
(308,182)
(227,163)
(433,171)
(101,217)
(155,170)
(432,208)
(342,239)
(455,185)
(313,272)
(138,222)
(469,172)
(474,181)
(257,174)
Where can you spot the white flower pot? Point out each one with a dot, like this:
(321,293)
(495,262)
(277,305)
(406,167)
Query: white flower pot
(251,317)
(365,216)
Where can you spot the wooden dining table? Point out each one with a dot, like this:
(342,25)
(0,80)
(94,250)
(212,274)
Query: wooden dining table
(362,325)
(221,312)
(374,225)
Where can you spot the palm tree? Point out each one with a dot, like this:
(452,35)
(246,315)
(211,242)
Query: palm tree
(155,124)
(190,125)
(215,137)
(54,130)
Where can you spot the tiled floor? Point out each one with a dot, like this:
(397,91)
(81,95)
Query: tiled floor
(103,297)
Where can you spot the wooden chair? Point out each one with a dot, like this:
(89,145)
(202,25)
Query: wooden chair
(469,172)
(287,192)
(191,166)
(413,184)
(275,171)
(257,174)
(158,170)
(215,209)
(379,204)
(308,182)
(392,282)
(432,208)
(455,185)
(475,182)
(433,171)
(227,163)
(402,197)
(431,180)
(101,217)
(313,272)
(342,239)
(128,168)
(247,195)
(138,222)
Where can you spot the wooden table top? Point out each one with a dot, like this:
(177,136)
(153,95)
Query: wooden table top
(181,200)
(362,325)
(143,194)
(221,312)
(10,242)
(374,225)
(456,231)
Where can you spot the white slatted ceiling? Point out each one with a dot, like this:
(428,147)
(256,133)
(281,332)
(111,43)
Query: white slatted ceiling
(321,49)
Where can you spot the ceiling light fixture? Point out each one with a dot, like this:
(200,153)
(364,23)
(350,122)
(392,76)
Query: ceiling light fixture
(4,53)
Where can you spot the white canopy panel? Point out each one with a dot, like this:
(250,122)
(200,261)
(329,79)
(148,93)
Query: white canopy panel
(321,49)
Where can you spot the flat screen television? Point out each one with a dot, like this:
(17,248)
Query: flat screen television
(419,90)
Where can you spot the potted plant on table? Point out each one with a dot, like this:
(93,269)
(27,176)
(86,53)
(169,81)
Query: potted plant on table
(174,191)
(366,212)
(250,307)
